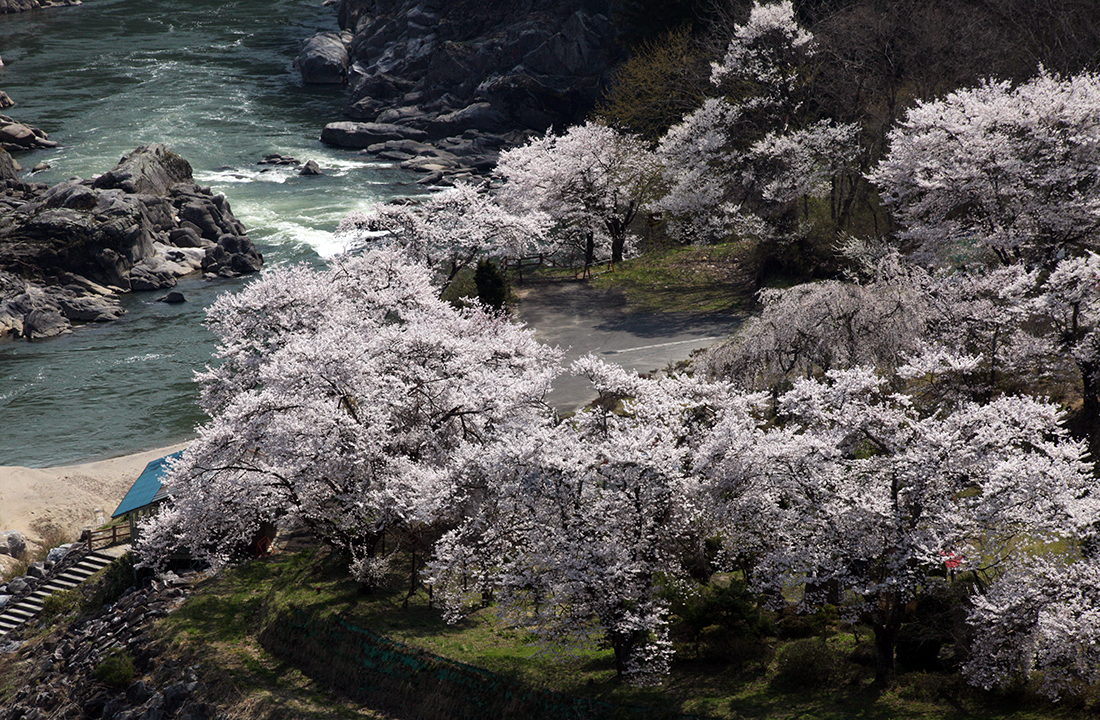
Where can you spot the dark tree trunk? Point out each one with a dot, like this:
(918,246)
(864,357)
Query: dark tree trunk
(618,243)
(623,646)
(887,625)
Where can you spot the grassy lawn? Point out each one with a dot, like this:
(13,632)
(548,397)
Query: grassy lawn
(218,628)
(706,279)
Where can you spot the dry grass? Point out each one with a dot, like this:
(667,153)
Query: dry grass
(50,536)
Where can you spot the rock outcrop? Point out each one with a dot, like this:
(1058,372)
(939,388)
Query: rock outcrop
(14,6)
(435,71)
(57,672)
(14,135)
(67,251)
(323,58)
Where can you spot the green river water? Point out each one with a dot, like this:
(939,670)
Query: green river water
(215,82)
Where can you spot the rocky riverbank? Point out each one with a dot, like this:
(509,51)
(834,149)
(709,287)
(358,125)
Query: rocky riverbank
(67,252)
(441,87)
(14,6)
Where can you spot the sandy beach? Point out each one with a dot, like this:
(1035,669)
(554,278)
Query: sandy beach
(71,498)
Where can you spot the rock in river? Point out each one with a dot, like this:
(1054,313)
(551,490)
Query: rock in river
(66,251)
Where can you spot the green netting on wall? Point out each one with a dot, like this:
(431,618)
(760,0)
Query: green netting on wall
(388,675)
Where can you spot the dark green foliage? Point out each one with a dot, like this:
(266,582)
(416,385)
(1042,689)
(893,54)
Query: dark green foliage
(639,21)
(805,664)
(665,79)
(114,580)
(116,670)
(794,625)
(492,288)
(721,621)
(59,603)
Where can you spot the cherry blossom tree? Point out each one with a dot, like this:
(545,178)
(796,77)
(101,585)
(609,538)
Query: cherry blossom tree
(742,160)
(592,181)
(999,169)
(1041,616)
(815,327)
(1071,302)
(342,400)
(946,335)
(577,526)
(450,230)
(860,495)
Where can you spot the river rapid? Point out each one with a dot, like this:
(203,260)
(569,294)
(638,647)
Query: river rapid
(214,81)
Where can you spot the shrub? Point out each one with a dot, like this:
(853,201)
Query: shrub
(114,580)
(492,288)
(805,664)
(59,603)
(116,670)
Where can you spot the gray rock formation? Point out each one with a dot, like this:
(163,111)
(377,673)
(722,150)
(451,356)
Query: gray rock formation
(323,58)
(446,56)
(13,543)
(14,135)
(310,168)
(361,135)
(59,681)
(447,68)
(66,251)
(14,6)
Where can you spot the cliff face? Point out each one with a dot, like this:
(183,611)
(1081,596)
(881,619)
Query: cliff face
(522,64)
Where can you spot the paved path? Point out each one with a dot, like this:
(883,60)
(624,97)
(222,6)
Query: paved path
(581,320)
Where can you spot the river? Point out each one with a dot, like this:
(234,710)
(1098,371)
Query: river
(213,80)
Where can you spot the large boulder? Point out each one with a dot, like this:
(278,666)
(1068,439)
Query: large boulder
(15,135)
(8,173)
(14,6)
(323,58)
(480,116)
(13,543)
(233,255)
(150,169)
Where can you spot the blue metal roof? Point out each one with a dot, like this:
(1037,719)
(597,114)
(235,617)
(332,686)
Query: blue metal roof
(147,487)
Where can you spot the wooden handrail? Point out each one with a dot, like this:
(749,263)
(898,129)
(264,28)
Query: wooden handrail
(113,535)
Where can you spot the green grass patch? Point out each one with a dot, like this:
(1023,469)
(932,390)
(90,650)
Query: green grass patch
(116,670)
(220,624)
(703,279)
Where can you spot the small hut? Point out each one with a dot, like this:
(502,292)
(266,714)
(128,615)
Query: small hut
(146,493)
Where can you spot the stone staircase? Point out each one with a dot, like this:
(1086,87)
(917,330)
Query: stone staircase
(15,614)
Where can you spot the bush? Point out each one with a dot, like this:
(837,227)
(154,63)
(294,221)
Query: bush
(793,625)
(113,581)
(116,670)
(805,664)
(59,603)
(492,288)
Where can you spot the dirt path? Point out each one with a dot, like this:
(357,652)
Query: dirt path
(581,320)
